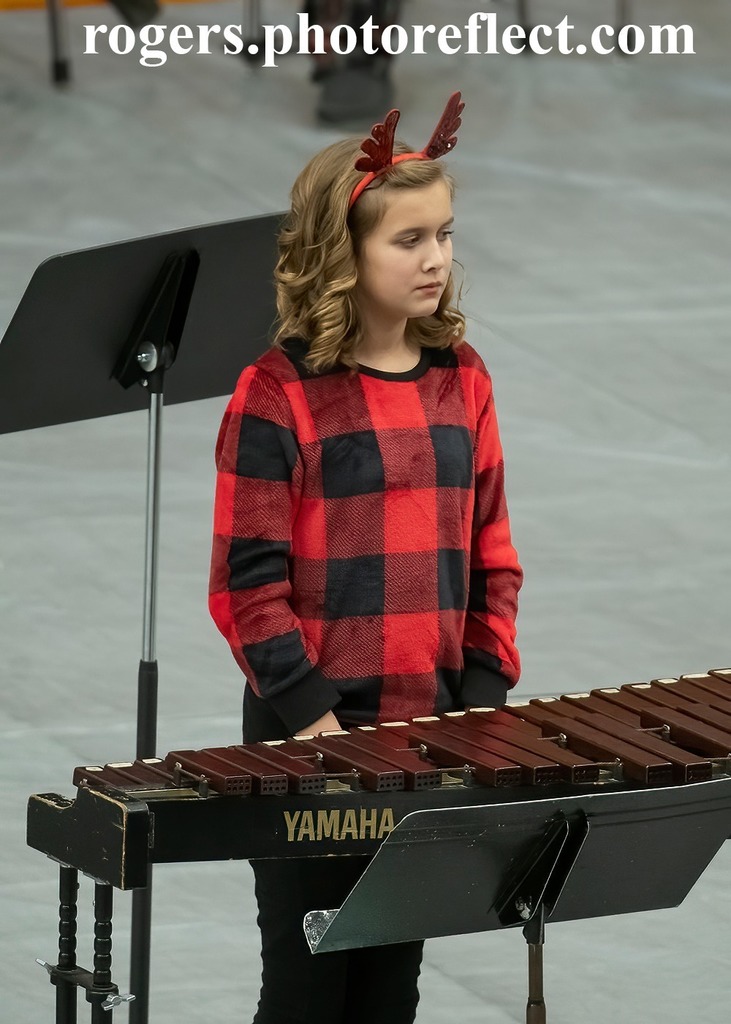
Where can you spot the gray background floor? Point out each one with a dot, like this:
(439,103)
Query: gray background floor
(594,220)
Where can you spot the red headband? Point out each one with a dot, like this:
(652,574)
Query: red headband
(379,147)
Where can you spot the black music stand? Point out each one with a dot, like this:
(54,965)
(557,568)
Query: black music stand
(452,871)
(196,304)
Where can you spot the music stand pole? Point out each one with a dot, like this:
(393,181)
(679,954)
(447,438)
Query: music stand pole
(535,935)
(149,351)
(147,677)
(147,710)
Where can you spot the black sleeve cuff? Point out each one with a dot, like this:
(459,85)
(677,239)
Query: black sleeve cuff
(483,688)
(307,700)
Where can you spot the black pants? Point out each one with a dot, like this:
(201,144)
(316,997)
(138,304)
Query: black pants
(377,985)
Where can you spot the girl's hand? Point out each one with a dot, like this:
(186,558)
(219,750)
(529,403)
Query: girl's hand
(328,723)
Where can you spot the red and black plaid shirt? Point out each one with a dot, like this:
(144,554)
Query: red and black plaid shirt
(362,559)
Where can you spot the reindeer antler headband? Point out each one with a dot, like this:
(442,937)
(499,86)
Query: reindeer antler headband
(378,148)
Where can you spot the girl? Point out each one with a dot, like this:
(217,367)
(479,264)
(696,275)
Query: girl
(362,564)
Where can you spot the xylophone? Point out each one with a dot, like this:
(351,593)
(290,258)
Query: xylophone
(574,806)
(344,792)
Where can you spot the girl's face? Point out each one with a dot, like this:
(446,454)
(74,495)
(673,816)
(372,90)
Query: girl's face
(404,263)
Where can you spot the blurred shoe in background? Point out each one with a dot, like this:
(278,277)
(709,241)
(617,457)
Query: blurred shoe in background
(355,93)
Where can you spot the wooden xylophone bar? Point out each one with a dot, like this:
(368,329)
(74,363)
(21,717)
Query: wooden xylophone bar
(669,731)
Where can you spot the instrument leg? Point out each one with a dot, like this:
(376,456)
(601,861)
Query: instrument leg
(102,987)
(60,63)
(139,976)
(522,17)
(253,33)
(252,15)
(535,934)
(66,988)
(624,15)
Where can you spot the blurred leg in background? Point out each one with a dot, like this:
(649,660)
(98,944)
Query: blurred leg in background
(137,12)
(354,85)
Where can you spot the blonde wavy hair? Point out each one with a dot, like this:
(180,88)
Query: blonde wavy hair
(319,244)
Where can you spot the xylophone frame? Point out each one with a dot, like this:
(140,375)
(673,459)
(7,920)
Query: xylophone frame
(510,865)
(66,975)
(518,856)
(529,895)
